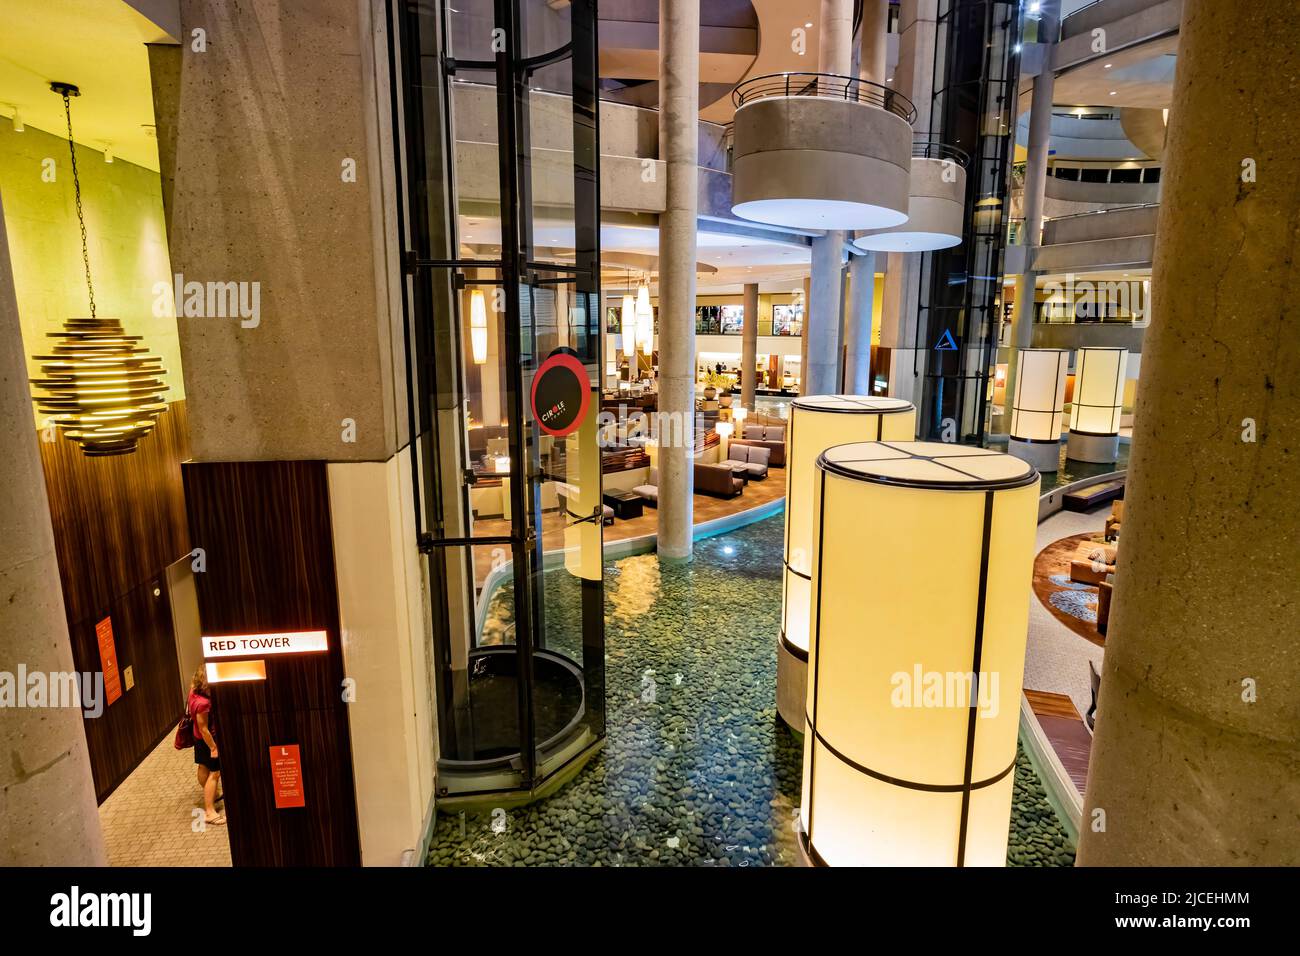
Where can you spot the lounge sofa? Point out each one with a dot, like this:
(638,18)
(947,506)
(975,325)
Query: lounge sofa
(1115,520)
(715,480)
(749,459)
(650,490)
(771,437)
(1092,562)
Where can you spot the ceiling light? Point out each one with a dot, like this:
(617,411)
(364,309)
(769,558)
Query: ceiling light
(1113,92)
(1108,66)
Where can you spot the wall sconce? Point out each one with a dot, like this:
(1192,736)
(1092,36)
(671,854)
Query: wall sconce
(910,750)
(1038,407)
(1098,405)
(816,423)
(478,326)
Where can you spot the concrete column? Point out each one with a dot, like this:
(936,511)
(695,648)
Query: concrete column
(822,328)
(679,108)
(48,815)
(749,346)
(821,344)
(858,327)
(1040,138)
(835,51)
(1196,760)
(914,78)
(803,337)
(873,63)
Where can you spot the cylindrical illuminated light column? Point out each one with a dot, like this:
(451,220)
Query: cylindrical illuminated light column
(1038,407)
(1098,404)
(816,423)
(899,769)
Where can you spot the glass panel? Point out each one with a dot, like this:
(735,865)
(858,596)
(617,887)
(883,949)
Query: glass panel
(510,513)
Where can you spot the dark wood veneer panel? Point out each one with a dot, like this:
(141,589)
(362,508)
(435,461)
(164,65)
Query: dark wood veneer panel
(266,535)
(118,523)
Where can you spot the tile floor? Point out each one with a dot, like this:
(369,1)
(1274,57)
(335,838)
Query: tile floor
(150,820)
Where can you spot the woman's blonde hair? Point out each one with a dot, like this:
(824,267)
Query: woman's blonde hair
(199,682)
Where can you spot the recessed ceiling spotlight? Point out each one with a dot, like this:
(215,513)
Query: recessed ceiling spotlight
(1113,92)
(1108,66)
(808,25)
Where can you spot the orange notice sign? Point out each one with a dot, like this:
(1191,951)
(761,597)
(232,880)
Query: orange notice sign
(108,659)
(286,777)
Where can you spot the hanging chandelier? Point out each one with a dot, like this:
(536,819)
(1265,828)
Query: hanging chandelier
(101,388)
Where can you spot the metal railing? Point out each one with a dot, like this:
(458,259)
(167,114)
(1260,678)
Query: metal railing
(1102,212)
(925,146)
(826,85)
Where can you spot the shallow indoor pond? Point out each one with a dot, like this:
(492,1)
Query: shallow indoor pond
(697,768)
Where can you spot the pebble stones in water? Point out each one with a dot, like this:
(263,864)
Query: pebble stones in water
(697,770)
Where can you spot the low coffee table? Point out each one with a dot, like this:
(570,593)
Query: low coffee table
(626,504)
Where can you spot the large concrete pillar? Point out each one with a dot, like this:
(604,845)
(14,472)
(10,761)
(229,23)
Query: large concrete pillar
(822,328)
(749,346)
(48,815)
(1040,139)
(803,337)
(679,108)
(1196,759)
(872,66)
(309,407)
(873,46)
(914,78)
(822,322)
(858,325)
(835,50)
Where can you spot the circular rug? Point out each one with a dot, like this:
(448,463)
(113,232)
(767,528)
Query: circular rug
(1070,602)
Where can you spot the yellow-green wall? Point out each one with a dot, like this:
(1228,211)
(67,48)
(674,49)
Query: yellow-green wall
(127,238)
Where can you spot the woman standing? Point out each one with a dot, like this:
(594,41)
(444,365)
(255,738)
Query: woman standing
(199,710)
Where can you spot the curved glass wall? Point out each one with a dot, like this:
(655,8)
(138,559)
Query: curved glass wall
(495,110)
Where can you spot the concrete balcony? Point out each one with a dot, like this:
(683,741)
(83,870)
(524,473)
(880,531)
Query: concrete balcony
(1127,24)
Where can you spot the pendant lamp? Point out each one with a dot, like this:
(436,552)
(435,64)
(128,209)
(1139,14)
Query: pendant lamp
(101,387)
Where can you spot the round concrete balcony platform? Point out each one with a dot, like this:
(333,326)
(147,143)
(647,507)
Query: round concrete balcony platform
(936,204)
(818,151)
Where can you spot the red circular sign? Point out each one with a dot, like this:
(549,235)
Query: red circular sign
(561,394)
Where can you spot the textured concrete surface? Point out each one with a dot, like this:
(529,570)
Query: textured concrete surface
(1197,755)
(47,799)
(283,94)
(679,41)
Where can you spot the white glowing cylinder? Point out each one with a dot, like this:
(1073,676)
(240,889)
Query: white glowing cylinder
(816,423)
(1099,376)
(922,562)
(1038,406)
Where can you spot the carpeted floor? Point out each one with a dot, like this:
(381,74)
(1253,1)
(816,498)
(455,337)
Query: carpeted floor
(1070,602)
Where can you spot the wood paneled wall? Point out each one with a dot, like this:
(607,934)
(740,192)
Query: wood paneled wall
(265,530)
(118,522)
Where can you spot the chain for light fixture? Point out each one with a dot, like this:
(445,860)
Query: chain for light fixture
(101,389)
